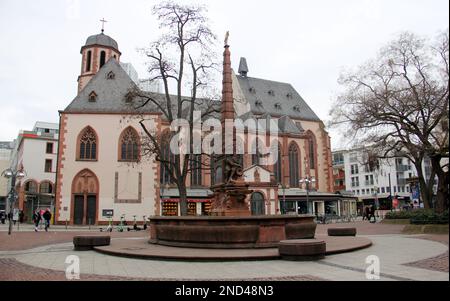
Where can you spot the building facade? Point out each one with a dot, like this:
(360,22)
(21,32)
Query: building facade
(5,163)
(35,152)
(382,181)
(101,170)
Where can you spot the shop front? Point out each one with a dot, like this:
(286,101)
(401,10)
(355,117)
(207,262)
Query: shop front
(196,207)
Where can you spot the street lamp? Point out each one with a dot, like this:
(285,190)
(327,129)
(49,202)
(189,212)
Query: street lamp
(280,186)
(307,181)
(13,175)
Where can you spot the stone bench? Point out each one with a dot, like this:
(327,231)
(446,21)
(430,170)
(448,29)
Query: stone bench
(85,243)
(302,249)
(341,231)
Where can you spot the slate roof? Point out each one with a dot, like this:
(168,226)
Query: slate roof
(103,40)
(111,95)
(276,98)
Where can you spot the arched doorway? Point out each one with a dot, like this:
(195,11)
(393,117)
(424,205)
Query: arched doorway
(257,204)
(85,191)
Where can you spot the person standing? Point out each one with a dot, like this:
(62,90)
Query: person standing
(36,220)
(47,217)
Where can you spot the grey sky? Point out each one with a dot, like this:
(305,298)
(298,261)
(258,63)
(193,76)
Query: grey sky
(305,43)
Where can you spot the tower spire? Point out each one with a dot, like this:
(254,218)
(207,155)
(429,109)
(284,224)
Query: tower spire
(103,24)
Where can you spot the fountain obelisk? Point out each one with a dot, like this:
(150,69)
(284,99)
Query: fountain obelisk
(230,194)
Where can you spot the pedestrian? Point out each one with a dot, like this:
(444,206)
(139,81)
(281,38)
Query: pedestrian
(47,217)
(15,216)
(367,213)
(36,220)
(372,214)
(21,216)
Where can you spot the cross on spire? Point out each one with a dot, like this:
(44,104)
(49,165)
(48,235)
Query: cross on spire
(103,24)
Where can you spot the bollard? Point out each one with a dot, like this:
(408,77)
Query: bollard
(66,223)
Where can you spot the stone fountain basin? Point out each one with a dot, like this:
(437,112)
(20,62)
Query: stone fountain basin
(223,232)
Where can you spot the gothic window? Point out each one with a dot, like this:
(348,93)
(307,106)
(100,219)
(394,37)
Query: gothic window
(102,58)
(312,161)
(256,155)
(87,145)
(169,158)
(212,166)
(196,170)
(277,167)
(129,145)
(93,97)
(88,61)
(293,166)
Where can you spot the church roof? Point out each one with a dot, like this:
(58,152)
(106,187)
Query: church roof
(103,40)
(111,95)
(276,98)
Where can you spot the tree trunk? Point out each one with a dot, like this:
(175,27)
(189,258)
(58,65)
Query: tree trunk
(183,199)
(443,183)
(426,191)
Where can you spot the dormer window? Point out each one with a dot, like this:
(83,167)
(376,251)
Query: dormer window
(297,108)
(93,97)
(110,75)
(289,95)
(252,90)
(258,103)
(278,106)
(271,92)
(129,97)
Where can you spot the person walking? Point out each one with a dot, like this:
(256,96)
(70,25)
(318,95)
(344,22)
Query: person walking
(36,220)
(372,214)
(47,217)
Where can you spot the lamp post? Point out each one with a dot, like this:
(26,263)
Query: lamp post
(308,180)
(280,186)
(13,175)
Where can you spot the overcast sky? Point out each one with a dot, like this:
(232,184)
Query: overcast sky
(305,43)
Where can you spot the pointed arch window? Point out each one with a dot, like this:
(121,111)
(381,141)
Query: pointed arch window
(277,167)
(129,145)
(312,154)
(196,170)
(293,166)
(256,151)
(168,159)
(87,145)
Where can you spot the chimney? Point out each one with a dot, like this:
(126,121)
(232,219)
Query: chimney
(243,69)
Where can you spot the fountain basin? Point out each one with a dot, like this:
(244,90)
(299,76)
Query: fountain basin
(223,232)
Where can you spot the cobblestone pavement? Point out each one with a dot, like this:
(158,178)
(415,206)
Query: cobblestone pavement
(438,263)
(13,270)
(31,256)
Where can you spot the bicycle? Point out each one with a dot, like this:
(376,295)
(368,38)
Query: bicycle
(122,223)
(110,225)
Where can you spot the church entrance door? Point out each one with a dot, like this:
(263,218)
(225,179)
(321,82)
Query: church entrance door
(78,210)
(85,188)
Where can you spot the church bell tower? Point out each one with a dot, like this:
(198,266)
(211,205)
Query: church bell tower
(95,53)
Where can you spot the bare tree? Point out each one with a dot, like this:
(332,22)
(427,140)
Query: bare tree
(398,104)
(182,58)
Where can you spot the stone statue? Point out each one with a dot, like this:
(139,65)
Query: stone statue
(226,38)
(233,169)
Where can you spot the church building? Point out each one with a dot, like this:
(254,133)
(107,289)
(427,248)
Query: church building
(101,173)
